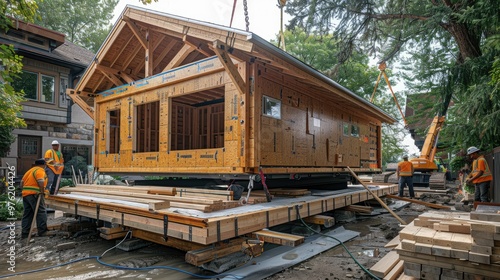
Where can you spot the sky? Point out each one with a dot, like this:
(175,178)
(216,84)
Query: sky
(264,18)
(264,15)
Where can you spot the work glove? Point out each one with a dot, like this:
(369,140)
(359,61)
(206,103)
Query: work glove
(46,193)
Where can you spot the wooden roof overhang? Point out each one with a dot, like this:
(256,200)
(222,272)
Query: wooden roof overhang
(144,43)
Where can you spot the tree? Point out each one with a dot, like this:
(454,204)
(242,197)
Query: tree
(84,22)
(10,67)
(448,48)
(354,74)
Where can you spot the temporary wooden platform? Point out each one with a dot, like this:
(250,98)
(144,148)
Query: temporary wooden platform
(181,226)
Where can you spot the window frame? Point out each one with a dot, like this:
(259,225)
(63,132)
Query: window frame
(265,100)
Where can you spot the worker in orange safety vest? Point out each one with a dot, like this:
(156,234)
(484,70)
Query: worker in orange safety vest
(55,165)
(480,176)
(405,176)
(34,184)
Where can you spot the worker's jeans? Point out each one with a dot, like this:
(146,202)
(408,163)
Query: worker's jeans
(482,192)
(406,181)
(52,180)
(29,203)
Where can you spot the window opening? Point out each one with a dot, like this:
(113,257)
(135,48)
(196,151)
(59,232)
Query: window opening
(197,120)
(148,127)
(114,132)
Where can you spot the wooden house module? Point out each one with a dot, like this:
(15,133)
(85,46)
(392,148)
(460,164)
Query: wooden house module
(178,97)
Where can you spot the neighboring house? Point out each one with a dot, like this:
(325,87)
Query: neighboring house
(50,65)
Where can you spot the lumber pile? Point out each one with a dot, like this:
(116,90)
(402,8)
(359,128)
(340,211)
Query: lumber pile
(157,198)
(450,246)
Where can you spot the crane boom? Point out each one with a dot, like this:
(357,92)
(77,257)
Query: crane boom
(426,160)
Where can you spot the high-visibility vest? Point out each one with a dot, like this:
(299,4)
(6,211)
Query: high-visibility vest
(405,169)
(30,181)
(51,154)
(478,165)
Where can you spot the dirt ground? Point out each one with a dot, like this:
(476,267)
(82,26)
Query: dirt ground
(368,248)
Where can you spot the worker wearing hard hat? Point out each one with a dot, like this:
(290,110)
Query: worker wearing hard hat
(55,166)
(480,176)
(33,185)
(405,176)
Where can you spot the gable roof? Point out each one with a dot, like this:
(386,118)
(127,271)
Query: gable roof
(167,41)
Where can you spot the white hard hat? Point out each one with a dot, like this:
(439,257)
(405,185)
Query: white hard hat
(55,142)
(472,150)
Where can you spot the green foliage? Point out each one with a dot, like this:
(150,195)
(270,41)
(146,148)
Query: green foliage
(11,66)
(450,51)
(66,182)
(85,22)
(78,163)
(458,163)
(4,210)
(321,52)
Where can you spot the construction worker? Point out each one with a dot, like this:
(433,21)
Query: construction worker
(405,176)
(33,185)
(55,165)
(480,176)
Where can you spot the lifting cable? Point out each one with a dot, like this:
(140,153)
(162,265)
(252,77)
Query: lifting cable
(245,8)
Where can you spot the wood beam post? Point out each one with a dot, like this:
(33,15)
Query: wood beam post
(179,57)
(79,101)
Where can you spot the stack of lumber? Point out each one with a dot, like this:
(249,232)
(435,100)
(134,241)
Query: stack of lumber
(112,233)
(158,197)
(450,246)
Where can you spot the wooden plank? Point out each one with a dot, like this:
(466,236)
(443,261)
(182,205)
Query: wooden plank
(107,230)
(432,205)
(279,238)
(385,264)
(176,243)
(479,258)
(112,236)
(393,243)
(204,255)
(395,271)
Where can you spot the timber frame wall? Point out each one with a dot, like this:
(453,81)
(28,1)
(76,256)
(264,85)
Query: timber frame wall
(227,132)
(211,101)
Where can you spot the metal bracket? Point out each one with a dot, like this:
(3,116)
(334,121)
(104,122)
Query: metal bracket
(218,231)
(97,209)
(236,226)
(165,228)
(76,209)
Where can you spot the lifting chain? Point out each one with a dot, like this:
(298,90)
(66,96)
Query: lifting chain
(247,19)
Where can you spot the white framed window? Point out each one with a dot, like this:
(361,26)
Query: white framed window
(271,107)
